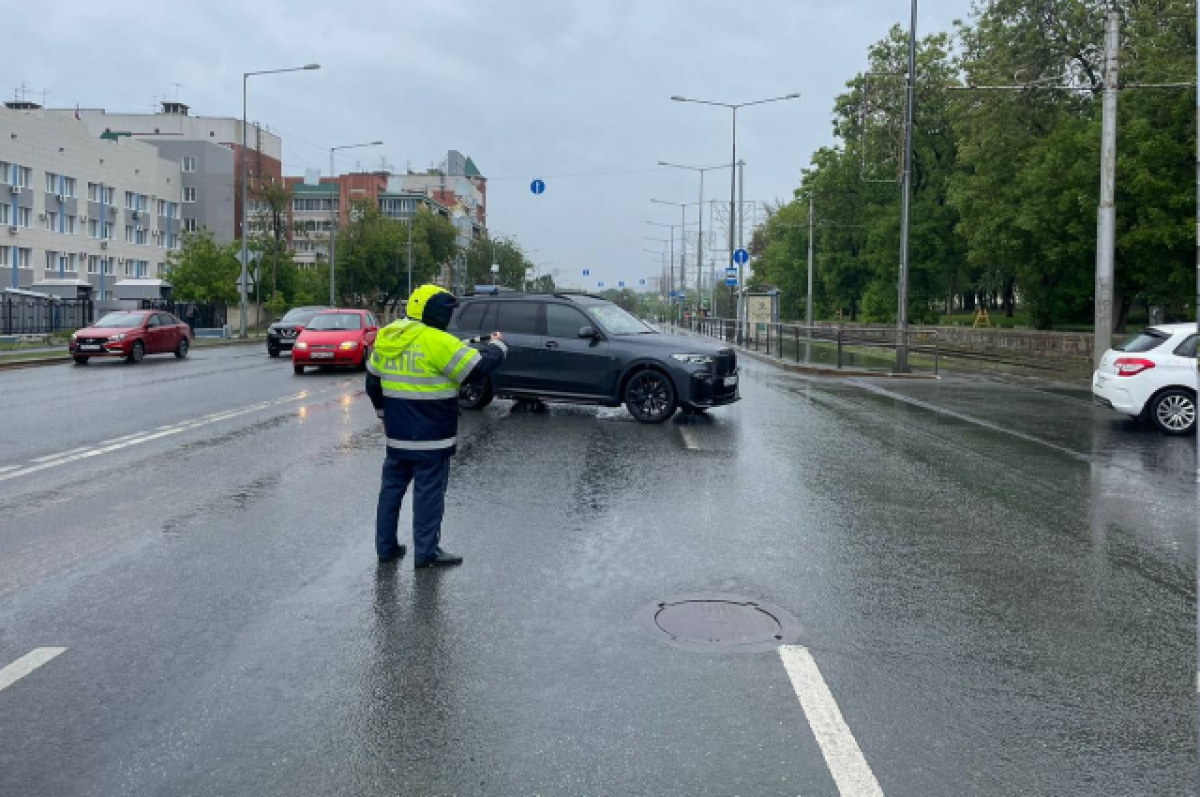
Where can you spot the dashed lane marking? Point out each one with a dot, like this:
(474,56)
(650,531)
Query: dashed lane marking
(27,664)
(842,755)
(118,443)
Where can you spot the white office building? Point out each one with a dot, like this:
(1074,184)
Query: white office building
(77,207)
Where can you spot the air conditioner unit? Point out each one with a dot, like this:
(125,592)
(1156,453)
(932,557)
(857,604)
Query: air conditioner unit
(12,230)
(139,228)
(104,244)
(41,217)
(14,189)
(83,219)
(61,198)
(83,253)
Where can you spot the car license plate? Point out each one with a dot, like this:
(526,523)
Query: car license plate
(322,355)
(730,381)
(89,347)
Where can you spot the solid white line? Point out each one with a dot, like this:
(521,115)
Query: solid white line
(845,760)
(27,664)
(7,468)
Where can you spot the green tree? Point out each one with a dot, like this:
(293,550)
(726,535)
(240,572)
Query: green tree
(203,270)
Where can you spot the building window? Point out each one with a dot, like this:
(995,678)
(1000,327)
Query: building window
(130,201)
(68,187)
(128,233)
(51,220)
(189,164)
(51,183)
(98,192)
(93,264)
(4,250)
(23,176)
(5,214)
(71,263)
(51,261)
(69,225)
(189,225)
(158,269)
(25,258)
(189,194)
(25,217)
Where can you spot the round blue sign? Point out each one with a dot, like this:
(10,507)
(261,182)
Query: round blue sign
(621,283)
(741,257)
(537,186)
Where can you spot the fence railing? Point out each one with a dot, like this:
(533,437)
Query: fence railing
(31,313)
(829,346)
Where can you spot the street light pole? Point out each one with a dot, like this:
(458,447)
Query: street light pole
(334,215)
(244,303)
(734,106)
(906,200)
(700,216)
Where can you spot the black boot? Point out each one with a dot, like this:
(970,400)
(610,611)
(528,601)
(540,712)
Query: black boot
(394,557)
(440,559)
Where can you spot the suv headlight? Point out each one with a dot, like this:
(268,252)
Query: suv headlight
(694,359)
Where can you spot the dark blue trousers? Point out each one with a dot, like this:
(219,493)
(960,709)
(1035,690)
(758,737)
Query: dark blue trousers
(429,504)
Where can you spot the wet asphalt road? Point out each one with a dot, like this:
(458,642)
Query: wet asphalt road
(996,580)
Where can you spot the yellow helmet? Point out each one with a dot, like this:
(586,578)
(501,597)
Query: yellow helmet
(431,305)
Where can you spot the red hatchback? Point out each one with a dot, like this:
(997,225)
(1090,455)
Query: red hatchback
(132,334)
(335,337)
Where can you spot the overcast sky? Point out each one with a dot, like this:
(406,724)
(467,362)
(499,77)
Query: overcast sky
(528,88)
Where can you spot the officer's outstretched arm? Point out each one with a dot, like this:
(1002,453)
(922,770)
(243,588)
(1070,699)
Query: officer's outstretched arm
(468,362)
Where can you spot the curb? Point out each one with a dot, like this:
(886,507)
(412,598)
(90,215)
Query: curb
(810,370)
(14,364)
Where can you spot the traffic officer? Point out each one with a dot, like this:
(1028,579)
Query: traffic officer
(413,378)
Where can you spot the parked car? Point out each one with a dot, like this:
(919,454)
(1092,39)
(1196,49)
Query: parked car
(335,337)
(132,334)
(583,349)
(282,334)
(1152,376)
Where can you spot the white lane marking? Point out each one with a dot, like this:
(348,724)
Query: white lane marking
(27,664)
(842,755)
(995,427)
(689,438)
(7,468)
(49,457)
(137,439)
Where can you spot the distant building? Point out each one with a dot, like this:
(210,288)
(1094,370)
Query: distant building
(212,187)
(74,206)
(458,185)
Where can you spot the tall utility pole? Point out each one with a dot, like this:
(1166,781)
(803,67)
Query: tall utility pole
(741,223)
(808,304)
(1106,213)
(906,199)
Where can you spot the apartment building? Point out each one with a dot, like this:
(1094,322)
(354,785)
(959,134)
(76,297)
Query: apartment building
(77,207)
(209,151)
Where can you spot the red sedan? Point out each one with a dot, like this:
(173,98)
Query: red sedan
(335,337)
(132,334)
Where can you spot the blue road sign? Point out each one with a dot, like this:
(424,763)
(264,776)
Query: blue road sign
(731,282)
(587,272)
(620,283)
(642,282)
(537,186)
(730,272)
(600,284)
(741,256)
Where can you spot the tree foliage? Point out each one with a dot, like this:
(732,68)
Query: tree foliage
(1005,182)
(202,270)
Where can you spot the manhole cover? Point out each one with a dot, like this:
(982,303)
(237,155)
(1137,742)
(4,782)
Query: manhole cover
(719,622)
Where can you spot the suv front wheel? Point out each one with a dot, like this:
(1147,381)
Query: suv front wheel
(650,396)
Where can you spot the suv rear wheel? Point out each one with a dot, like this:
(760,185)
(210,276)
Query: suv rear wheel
(1174,411)
(475,394)
(650,396)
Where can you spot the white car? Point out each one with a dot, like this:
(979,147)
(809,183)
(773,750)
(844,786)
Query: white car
(1152,375)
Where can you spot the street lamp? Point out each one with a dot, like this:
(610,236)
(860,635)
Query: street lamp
(700,217)
(245,210)
(733,106)
(671,261)
(333,222)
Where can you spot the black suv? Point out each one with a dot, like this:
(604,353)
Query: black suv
(582,349)
(282,334)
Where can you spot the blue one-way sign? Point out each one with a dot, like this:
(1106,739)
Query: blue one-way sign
(741,257)
(537,186)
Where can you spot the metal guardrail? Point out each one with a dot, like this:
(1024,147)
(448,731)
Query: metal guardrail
(830,346)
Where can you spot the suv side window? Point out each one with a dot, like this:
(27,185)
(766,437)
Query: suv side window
(1187,348)
(471,317)
(563,321)
(517,318)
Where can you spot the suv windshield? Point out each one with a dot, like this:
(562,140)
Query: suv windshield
(121,320)
(336,321)
(298,316)
(1150,339)
(618,322)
